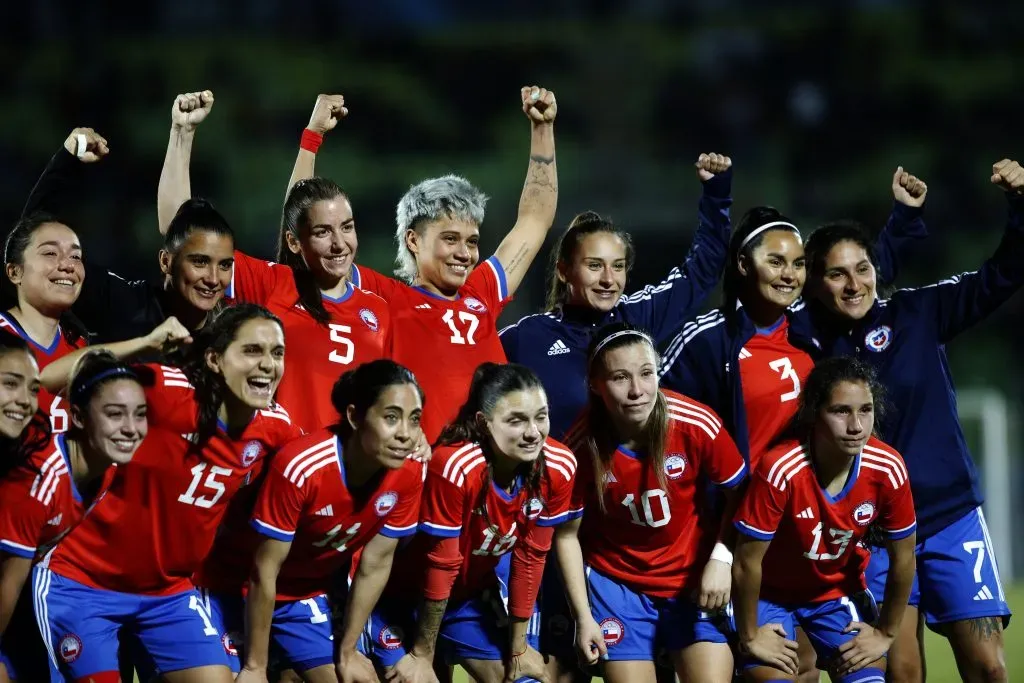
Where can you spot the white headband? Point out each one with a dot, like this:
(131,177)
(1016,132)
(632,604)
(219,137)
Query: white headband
(769,226)
(621,333)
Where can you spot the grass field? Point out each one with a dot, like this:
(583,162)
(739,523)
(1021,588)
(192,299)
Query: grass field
(939,658)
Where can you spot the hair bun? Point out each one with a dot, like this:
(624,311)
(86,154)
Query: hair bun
(586,218)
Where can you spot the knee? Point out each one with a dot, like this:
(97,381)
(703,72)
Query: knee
(991,672)
(905,669)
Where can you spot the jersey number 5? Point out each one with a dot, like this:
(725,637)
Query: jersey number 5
(466,320)
(784,366)
(348,349)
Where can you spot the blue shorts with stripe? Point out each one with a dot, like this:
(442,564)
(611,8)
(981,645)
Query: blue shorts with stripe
(80,627)
(824,623)
(957,577)
(639,627)
(301,636)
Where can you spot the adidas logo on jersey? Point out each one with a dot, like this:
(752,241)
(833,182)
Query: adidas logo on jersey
(744,353)
(984,594)
(558,348)
(609,478)
(56,520)
(423,306)
(806,513)
(326,511)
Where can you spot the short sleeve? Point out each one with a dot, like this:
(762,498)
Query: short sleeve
(443,504)
(22,517)
(489,282)
(252,279)
(403,520)
(170,397)
(897,517)
(561,466)
(370,280)
(762,508)
(722,461)
(280,502)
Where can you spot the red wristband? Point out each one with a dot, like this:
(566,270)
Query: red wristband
(311,140)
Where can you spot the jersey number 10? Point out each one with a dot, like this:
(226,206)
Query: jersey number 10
(647,503)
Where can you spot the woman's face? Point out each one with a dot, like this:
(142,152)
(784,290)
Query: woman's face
(518,425)
(848,282)
(627,382)
(390,430)
(19,391)
(52,272)
(329,246)
(446,251)
(114,422)
(596,277)
(776,269)
(848,418)
(253,363)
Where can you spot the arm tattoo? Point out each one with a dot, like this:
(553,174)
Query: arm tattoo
(984,628)
(540,159)
(517,259)
(431,614)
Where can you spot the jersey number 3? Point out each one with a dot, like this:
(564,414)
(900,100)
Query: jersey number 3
(784,366)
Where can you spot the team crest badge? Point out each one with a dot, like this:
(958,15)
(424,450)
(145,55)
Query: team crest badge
(474,305)
(864,513)
(369,319)
(385,503)
(251,452)
(532,508)
(675,465)
(879,338)
(230,642)
(70,647)
(613,631)
(390,637)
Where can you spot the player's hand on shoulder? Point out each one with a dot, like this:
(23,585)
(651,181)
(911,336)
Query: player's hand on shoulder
(86,144)
(715,585)
(328,110)
(710,164)
(169,333)
(771,646)
(908,189)
(190,109)
(1008,175)
(539,104)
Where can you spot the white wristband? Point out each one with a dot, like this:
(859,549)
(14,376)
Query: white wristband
(722,554)
(83,146)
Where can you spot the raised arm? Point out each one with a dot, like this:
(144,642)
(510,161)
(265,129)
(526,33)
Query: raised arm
(904,227)
(328,110)
(50,193)
(540,193)
(664,308)
(187,112)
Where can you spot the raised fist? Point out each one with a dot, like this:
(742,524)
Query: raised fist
(908,189)
(710,164)
(539,104)
(86,144)
(1008,175)
(328,110)
(190,109)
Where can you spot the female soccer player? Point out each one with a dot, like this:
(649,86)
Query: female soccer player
(657,555)
(50,482)
(590,263)
(332,325)
(44,274)
(194,263)
(446,306)
(496,487)
(342,489)
(130,562)
(811,501)
(904,339)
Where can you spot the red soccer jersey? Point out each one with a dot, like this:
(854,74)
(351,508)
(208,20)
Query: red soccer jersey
(656,541)
(38,501)
(813,555)
(52,404)
(158,519)
(443,341)
(772,372)
(306,501)
(315,355)
(460,501)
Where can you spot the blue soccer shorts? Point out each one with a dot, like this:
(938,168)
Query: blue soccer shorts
(637,627)
(824,623)
(79,625)
(957,577)
(301,636)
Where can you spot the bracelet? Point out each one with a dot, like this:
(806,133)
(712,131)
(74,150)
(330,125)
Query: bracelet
(311,140)
(721,553)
